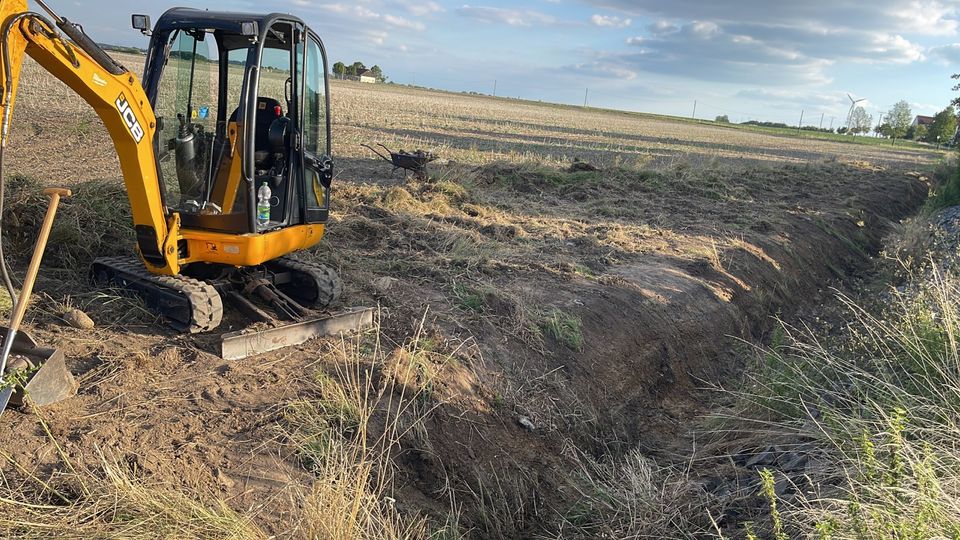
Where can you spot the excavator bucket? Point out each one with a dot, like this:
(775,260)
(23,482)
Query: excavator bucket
(237,345)
(47,381)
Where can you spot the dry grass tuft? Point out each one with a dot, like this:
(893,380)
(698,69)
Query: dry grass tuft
(348,432)
(112,502)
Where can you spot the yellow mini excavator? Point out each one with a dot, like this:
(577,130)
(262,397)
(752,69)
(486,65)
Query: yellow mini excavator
(225,152)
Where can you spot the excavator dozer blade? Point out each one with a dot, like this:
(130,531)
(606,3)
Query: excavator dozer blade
(50,381)
(237,345)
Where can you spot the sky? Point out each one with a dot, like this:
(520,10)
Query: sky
(767,60)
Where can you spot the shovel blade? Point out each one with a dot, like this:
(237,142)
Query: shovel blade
(49,383)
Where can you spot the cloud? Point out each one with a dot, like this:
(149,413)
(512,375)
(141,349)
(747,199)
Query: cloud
(363,12)
(759,53)
(400,22)
(376,37)
(775,43)
(419,9)
(947,54)
(609,21)
(818,100)
(831,44)
(512,17)
(929,17)
(603,69)
(707,51)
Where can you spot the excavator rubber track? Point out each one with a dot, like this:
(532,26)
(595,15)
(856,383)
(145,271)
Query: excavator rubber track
(315,285)
(188,305)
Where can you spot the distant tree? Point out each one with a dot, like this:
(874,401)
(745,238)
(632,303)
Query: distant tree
(955,101)
(943,127)
(899,117)
(919,132)
(356,69)
(722,119)
(378,73)
(765,124)
(339,69)
(860,121)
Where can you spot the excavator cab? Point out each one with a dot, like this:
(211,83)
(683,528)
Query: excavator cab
(241,101)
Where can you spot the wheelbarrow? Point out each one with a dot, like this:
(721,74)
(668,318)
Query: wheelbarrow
(28,371)
(415,162)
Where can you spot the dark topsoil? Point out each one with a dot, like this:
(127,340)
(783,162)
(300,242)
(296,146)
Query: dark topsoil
(665,271)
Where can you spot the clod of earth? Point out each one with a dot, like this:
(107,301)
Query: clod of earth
(78,319)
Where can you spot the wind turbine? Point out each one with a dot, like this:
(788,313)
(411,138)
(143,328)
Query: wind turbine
(853,105)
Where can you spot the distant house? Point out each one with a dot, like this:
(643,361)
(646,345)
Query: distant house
(921,120)
(367,77)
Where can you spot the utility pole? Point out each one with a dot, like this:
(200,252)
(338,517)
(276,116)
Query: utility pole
(831,123)
(694,115)
(586,92)
(876,132)
(800,123)
(494,88)
(821,120)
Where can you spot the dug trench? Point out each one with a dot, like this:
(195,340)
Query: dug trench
(533,314)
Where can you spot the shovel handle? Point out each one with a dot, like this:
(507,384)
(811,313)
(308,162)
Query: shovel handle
(21,308)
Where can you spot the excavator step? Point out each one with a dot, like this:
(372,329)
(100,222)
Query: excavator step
(238,345)
(188,304)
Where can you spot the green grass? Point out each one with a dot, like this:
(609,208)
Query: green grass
(565,328)
(884,403)
(948,191)
(470,299)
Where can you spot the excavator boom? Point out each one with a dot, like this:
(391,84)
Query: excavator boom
(118,99)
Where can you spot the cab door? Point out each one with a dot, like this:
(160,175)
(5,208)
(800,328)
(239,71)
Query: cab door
(315,129)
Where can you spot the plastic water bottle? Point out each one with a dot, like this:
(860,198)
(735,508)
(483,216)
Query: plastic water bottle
(263,205)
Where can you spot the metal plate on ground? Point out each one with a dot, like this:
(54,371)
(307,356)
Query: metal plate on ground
(238,345)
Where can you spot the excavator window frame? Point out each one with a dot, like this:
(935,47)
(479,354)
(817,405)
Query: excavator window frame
(227,29)
(317,163)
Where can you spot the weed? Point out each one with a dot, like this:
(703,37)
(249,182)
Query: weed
(886,399)
(470,299)
(767,487)
(563,327)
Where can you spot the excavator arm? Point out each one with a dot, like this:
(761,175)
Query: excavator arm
(119,99)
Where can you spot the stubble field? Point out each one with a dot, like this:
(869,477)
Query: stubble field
(544,332)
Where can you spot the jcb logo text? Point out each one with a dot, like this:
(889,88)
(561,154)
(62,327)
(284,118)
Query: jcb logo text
(131,119)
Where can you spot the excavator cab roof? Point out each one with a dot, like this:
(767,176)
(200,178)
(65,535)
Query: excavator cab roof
(227,21)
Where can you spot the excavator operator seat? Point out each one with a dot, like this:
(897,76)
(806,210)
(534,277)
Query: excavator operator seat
(268,110)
